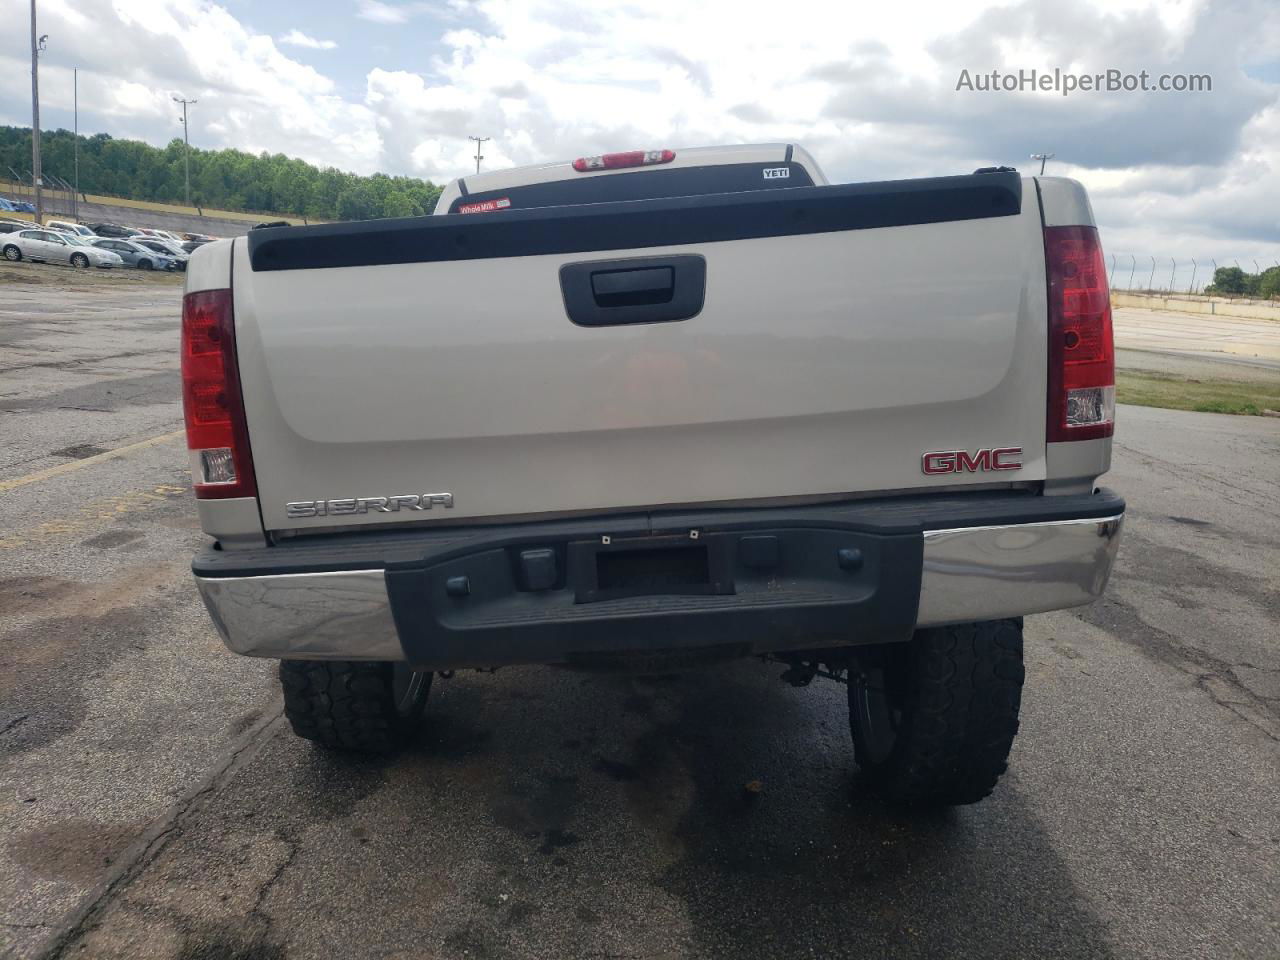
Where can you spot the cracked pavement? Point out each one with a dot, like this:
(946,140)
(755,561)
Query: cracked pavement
(154,804)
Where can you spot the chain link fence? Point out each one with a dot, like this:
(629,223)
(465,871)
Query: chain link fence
(1143,273)
(58,197)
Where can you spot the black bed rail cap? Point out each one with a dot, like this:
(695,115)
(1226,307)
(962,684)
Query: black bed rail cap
(636,224)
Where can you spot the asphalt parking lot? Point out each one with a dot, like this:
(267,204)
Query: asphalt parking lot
(154,804)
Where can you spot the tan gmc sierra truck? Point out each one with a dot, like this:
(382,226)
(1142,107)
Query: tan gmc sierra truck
(661,410)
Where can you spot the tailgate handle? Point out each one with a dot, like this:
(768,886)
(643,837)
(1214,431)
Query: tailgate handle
(603,293)
(633,288)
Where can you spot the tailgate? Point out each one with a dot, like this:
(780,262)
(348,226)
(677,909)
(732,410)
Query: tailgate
(840,333)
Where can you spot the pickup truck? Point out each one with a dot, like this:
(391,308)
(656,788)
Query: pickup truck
(657,411)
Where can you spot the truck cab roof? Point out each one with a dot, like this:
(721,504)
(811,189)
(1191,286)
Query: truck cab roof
(688,172)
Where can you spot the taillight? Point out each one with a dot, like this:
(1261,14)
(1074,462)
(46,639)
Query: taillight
(1082,358)
(616,161)
(211,403)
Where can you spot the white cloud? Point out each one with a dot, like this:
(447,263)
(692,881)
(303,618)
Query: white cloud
(872,93)
(390,13)
(133,58)
(296,38)
(869,89)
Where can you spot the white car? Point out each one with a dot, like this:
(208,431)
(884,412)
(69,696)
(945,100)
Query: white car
(155,233)
(105,259)
(66,226)
(50,246)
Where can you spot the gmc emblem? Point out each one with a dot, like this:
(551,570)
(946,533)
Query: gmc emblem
(961,461)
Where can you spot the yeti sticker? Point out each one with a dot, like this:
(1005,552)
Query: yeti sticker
(777,173)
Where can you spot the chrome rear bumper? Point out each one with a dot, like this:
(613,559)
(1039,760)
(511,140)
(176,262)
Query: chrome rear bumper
(305,616)
(968,574)
(986,573)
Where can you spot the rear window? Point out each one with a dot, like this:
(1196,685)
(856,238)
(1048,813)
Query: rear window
(642,184)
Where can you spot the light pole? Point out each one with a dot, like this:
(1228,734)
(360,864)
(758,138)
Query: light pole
(37,44)
(1043,158)
(75,142)
(479,155)
(186,146)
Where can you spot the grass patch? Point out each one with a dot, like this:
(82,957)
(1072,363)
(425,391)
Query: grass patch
(1147,389)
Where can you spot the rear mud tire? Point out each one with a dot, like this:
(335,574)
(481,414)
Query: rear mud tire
(362,707)
(933,720)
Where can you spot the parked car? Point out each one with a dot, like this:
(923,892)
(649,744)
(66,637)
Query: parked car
(190,246)
(22,206)
(198,237)
(112,230)
(106,259)
(166,248)
(136,255)
(66,226)
(50,246)
(746,430)
(7,205)
(13,226)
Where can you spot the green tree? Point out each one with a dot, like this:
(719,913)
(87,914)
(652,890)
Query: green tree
(400,204)
(1229,282)
(356,201)
(1269,283)
(222,179)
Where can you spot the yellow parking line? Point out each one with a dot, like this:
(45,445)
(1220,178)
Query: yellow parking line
(45,474)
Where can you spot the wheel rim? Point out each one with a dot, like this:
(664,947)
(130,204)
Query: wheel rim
(877,717)
(79,260)
(406,686)
(11,253)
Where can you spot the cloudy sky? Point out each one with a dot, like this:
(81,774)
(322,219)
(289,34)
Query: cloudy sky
(397,85)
